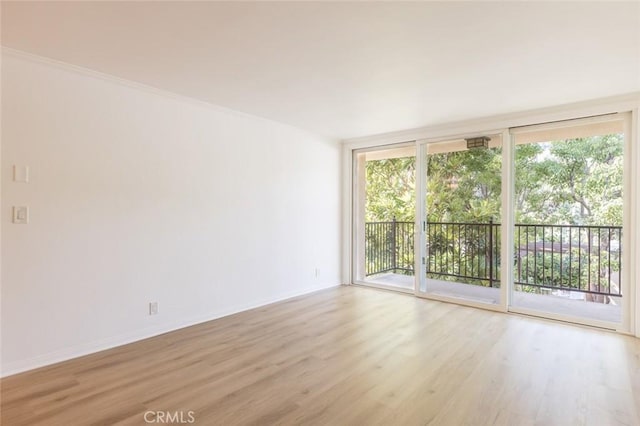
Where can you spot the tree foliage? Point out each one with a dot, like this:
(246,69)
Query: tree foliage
(464,186)
(574,181)
(391,189)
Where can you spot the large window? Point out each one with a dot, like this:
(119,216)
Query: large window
(530,219)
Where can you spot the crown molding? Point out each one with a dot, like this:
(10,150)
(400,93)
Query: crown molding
(88,72)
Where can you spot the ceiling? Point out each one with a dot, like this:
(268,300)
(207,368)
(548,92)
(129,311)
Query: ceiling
(347,69)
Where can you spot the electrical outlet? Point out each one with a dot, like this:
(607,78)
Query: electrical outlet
(21,215)
(317,272)
(153,308)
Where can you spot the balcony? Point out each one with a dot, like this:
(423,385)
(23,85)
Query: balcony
(557,268)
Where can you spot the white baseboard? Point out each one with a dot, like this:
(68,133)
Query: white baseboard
(145,333)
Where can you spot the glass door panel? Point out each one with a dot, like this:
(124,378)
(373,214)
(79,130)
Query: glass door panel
(385,217)
(461,230)
(568,220)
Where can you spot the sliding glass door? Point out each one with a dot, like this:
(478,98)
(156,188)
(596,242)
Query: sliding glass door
(531,220)
(461,219)
(569,227)
(385,188)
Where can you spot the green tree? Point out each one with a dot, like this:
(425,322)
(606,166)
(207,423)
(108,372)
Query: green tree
(574,181)
(464,186)
(391,189)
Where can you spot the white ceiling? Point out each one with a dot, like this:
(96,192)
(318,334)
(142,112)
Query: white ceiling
(347,69)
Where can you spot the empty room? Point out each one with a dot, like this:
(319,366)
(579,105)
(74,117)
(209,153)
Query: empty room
(320,213)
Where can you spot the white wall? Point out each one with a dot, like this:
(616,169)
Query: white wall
(138,196)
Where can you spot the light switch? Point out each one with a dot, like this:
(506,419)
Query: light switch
(21,174)
(21,215)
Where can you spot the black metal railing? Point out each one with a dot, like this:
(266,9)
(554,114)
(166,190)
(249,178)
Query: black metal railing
(464,250)
(389,247)
(585,259)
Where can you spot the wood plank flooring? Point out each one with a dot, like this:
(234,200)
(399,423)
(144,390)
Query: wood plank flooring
(346,356)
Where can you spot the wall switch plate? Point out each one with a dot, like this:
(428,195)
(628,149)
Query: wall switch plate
(20,215)
(153,308)
(21,173)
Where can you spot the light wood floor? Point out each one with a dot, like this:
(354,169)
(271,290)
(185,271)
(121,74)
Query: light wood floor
(347,356)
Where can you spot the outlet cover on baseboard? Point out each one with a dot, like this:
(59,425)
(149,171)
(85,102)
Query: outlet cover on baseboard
(153,308)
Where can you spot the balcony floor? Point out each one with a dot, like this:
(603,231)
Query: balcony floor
(538,302)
